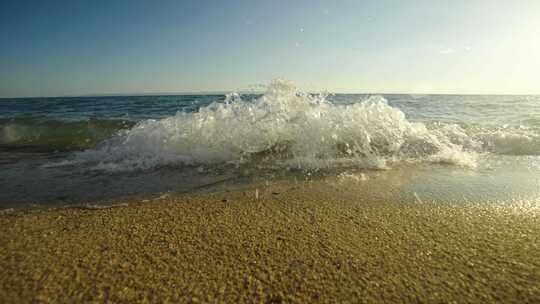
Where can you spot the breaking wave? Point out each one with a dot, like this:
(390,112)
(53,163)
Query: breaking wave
(288,128)
(285,128)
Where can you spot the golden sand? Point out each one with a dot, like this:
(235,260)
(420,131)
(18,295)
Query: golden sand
(305,243)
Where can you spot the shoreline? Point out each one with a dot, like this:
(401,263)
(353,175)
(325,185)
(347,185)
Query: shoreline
(287,243)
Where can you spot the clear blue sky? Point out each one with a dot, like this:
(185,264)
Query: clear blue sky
(51,48)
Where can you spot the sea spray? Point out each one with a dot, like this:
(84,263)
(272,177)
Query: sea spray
(284,128)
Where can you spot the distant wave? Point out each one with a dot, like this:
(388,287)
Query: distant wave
(29,133)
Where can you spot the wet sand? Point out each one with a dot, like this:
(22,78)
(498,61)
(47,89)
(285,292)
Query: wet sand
(290,243)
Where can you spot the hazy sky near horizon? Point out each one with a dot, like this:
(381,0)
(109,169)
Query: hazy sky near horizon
(56,48)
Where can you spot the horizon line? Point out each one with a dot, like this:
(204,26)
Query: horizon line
(224,92)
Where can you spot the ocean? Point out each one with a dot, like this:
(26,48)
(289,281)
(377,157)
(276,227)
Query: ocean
(68,151)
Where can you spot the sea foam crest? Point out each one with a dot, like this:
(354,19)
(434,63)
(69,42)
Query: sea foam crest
(284,128)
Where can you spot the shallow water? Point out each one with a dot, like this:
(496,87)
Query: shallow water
(441,147)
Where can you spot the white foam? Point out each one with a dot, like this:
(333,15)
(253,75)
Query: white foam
(348,176)
(516,141)
(284,128)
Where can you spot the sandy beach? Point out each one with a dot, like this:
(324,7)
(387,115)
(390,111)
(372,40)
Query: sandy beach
(279,243)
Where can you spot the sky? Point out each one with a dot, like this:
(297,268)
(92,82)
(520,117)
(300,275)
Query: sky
(60,48)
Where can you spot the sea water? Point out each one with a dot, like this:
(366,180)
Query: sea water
(78,149)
